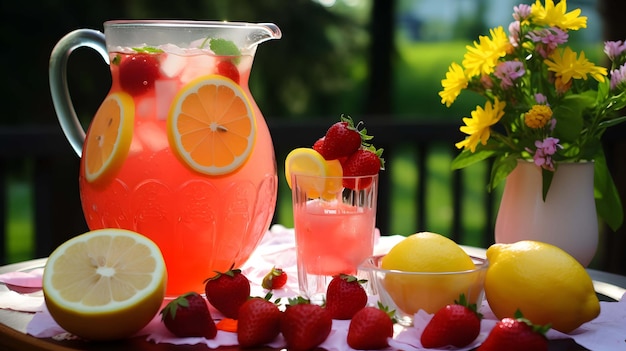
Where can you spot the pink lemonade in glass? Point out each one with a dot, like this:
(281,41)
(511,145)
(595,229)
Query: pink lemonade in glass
(333,235)
(333,240)
(177,182)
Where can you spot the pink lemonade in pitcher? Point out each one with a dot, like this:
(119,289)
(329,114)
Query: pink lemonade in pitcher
(180,153)
(333,239)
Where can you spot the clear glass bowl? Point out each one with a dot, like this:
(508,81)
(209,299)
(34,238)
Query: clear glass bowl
(408,292)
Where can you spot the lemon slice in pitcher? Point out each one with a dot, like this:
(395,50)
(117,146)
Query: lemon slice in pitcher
(309,162)
(109,137)
(211,125)
(105,284)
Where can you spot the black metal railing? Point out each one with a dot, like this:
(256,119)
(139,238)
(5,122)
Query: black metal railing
(57,215)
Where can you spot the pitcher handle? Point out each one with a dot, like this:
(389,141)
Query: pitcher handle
(61,99)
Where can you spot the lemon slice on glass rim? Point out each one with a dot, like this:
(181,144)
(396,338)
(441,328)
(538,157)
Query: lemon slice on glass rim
(105,284)
(309,162)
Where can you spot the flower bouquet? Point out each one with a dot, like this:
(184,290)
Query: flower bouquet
(544,101)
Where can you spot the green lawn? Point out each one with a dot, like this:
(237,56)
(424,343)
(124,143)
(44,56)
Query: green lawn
(20,229)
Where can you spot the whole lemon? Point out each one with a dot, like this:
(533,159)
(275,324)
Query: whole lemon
(541,280)
(428,254)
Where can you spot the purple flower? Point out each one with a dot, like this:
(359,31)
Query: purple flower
(613,49)
(618,77)
(548,39)
(541,99)
(545,150)
(508,71)
(514,32)
(521,12)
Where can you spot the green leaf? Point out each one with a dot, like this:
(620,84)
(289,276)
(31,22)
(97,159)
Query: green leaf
(611,122)
(569,116)
(608,202)
(468,158)
(546,180)
(223,47)
(148,50)
(502,167)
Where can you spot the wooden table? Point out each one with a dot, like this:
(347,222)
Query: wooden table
(610,287)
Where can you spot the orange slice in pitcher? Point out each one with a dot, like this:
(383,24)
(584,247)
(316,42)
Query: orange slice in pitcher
(309,162)
(211,125)
(110,135)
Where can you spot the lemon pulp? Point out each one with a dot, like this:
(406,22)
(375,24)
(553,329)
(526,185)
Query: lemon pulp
(105,284)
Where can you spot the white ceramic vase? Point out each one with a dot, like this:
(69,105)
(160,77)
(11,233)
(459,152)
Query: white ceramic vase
(567,218)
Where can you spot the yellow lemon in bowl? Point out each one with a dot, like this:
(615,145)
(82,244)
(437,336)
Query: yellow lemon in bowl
(428,271)
(541,280)
(105,284)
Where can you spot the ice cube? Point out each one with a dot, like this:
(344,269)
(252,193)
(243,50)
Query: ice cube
(165,90)
(197,66)
(145,106)
(152,136)
(172,65)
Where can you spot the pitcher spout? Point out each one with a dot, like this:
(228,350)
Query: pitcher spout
(264,32)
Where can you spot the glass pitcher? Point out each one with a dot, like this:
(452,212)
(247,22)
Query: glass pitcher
(178,150)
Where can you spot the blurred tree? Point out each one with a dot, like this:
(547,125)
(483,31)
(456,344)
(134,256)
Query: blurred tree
(306,73)
(613,29)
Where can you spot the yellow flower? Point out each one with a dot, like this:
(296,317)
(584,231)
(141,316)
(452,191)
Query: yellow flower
(478,127)
(483,56)
(538,116)
(453,84)
(566,66)
(556,16)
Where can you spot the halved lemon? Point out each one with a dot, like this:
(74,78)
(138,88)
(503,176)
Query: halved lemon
(311,163)
(211,125)
(105,284)
(109,136)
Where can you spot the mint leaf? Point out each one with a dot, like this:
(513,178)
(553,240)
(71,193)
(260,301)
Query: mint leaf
(148,50)
(223,47)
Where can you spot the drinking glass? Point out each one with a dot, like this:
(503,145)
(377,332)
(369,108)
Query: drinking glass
(334,228)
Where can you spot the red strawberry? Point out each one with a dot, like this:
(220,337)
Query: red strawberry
(317,146)
(342,139)
(275,279)
(370,328)
(259,322)
(188,315)
(227,291)
(304,325)
(365,161)
(345,296)
(516,334)
(138,73)
(456,324)
(228,69)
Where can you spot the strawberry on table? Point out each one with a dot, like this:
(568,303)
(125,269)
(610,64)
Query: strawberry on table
(275,279)
(456,324)
(370,328)
(188,316)
(516,334)
(227,291)
(342,139)
(345,296)
(259,322)
(304,325)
